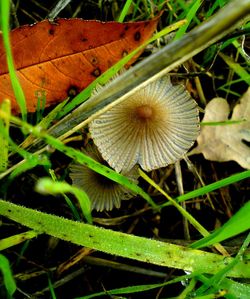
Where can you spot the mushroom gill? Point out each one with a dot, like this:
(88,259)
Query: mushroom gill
(153,127)
(104,193)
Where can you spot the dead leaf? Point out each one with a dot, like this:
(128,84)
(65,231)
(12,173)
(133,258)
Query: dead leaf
(61,58)
(226,142)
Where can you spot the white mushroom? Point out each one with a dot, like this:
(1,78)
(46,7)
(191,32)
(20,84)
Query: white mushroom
(154,127)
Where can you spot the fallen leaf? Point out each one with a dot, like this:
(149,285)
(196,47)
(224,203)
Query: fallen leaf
(226,142)
(62,58)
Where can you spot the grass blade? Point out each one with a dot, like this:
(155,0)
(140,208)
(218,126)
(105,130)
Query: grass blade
(124,11)
(239,223)
(4,136)
(184,212)
(189,17)
(8,279)
(237,68)
(17,239)
(4,22)
(124,245)
(48,186)
(211,187)
(136,289)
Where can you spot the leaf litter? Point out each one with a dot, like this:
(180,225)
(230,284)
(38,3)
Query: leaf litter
(226,142)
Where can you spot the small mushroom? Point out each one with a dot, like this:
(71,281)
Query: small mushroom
(153,127)
(103,192)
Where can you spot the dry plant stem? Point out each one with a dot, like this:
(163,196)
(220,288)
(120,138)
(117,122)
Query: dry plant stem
(124,267)
(76,258)
(158,64)
(181,192)
(196,174)
(60,5)
(194,222)
(60,282)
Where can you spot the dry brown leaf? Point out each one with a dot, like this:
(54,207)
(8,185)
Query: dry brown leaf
(226,142)
(60,58)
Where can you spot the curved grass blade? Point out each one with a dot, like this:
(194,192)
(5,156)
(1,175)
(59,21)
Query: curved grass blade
(237,224)
(48,186)
(138,288)
(8,279)
(211,187)
(4,22)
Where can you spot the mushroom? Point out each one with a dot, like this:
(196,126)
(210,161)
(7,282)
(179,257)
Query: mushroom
(153,127)
(103,192)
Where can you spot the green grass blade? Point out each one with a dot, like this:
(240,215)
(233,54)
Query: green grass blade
(124,11)
(8,279)
(233,288)
(211,187)
(4,22)
(4,136)
(48,186)
(51,288)
(30,160)
(189,17)
(237,68)
(44,124)
(237,224)
(67,199)
(222,123)
(17,239)
(121,244)
(215,282)
(137,288)
(28,164)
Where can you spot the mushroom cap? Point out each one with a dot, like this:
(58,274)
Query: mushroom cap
(104,193)
(153,127)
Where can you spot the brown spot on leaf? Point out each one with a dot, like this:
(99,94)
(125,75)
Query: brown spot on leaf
(94,60)
(124,53)
(122,35)
(51,31)
(72,91)
(137,36)
(96,72)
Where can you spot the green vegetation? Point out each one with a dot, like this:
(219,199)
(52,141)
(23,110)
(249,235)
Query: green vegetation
(38,203)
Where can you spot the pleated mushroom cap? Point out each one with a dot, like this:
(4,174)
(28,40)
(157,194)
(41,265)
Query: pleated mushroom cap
(104,194)
(154,127)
